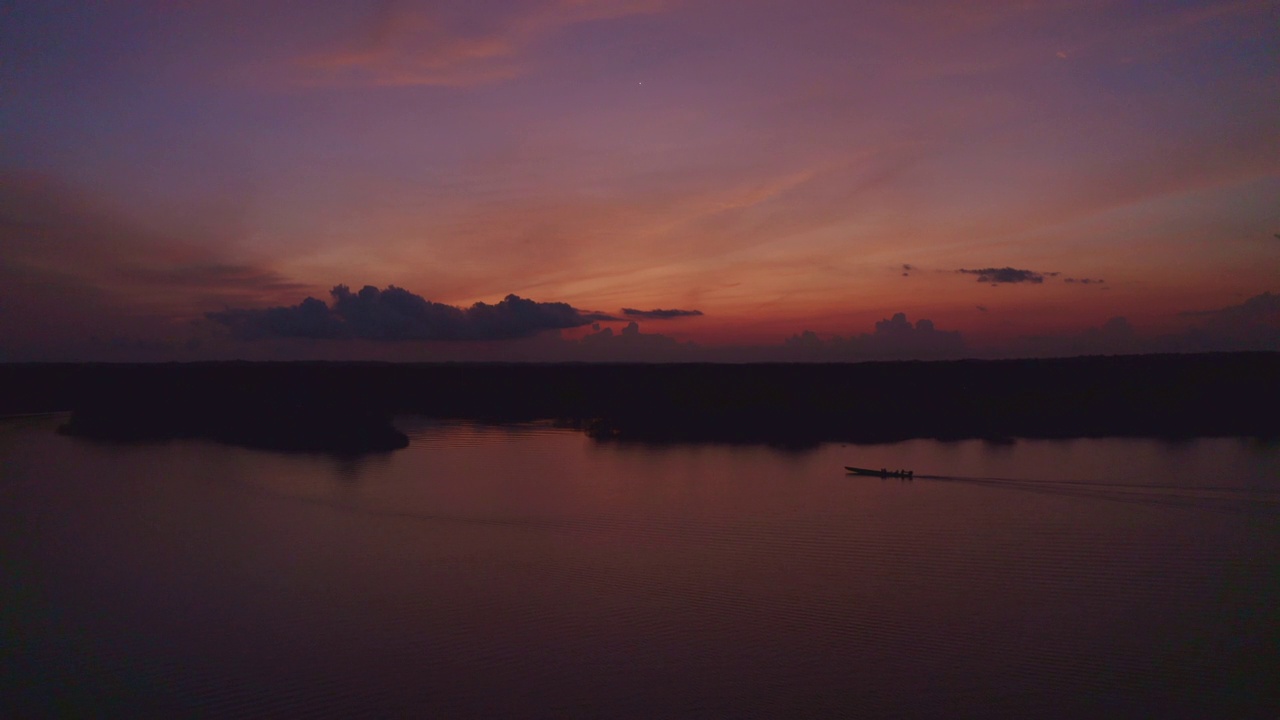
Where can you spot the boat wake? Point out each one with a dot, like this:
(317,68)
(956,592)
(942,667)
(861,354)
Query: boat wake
(1217,497)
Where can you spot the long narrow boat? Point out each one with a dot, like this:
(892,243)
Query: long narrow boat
(880,473)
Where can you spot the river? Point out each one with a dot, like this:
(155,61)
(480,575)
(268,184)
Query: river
(531,571)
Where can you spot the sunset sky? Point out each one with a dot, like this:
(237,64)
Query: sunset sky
(177,177)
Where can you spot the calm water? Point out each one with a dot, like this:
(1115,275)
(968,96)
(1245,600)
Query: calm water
(533,572)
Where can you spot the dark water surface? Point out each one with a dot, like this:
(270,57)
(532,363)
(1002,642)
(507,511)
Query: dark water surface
(533,572)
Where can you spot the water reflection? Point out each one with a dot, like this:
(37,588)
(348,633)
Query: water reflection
(533,571)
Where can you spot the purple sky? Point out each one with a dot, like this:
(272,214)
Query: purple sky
(782,179)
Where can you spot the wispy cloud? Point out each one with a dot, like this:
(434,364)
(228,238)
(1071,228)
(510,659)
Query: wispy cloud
(73,269)
(1008,275)
(51,229)
(423,45)
(213,275)
(660,314)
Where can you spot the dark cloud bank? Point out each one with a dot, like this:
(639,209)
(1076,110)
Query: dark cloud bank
(397,314)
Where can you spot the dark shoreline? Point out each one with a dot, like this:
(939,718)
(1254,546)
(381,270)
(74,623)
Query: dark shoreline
(347,407)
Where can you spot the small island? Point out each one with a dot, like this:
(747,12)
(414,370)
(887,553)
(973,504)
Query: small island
(168,403)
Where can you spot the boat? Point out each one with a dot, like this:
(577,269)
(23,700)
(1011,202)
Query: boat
(882,472)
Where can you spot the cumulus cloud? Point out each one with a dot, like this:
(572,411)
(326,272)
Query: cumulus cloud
(1252,325)
(1264,308)
(395,314)
(894,338)
(997,276)
(1116,336)
(660,314)
(634,346)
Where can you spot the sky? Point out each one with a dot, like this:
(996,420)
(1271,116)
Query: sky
(637,179)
